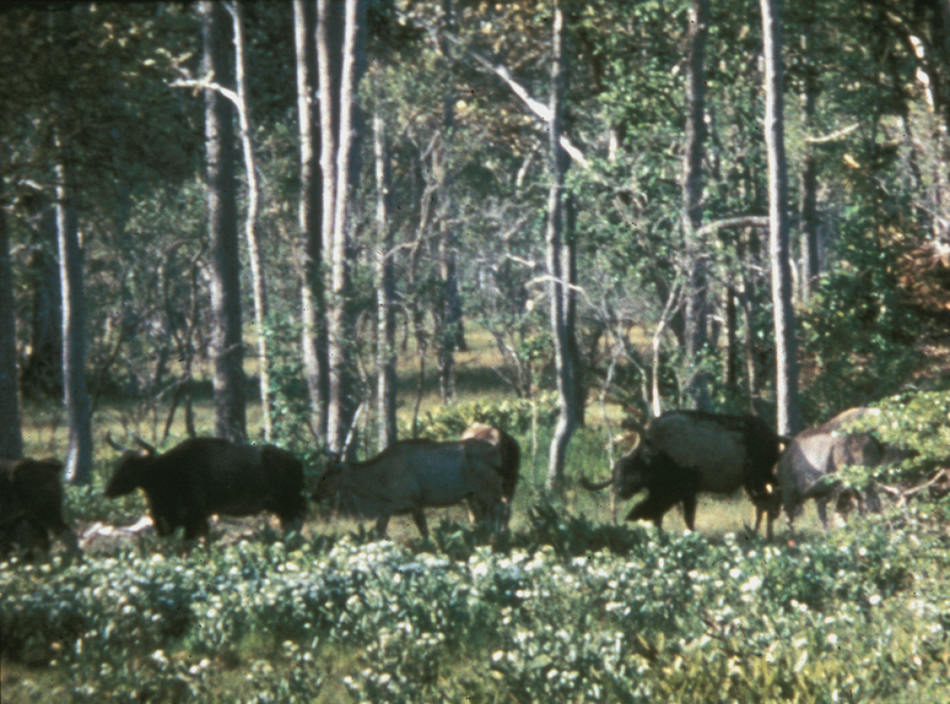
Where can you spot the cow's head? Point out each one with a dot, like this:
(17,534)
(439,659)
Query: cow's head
(630,472)
(130,468)
(328,485)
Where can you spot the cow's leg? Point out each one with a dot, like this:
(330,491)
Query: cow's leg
(821,503)
(419,516)
(290,522)
(72,544)
(196,528)
(689,511)
(381,524)
(651,508)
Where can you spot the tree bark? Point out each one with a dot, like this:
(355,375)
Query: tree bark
(385,292)
(258,279)
(75,394)
(337,162)
(227,348)
(309,218)
(11,438)
(42,372)
(786,372)
(449,313)
(557,254)
(697,384)
(808,199)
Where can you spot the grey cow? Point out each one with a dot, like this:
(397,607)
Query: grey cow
(814,454)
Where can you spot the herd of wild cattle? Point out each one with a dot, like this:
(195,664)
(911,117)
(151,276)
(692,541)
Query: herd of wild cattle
(678,455)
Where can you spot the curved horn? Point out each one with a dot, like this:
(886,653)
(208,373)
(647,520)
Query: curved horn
(113,444)
(148,448)
(595,486)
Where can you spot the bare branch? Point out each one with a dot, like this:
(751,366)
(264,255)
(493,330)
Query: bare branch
(535,106)
(834,136)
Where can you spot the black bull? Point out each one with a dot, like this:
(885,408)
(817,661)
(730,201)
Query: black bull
(204,476)
(683,453)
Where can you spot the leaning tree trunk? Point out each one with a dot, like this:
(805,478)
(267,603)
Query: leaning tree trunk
(258,281)
(226,341)
(11,438)
(309,217)
(562,331)
(692,217)
(75,395)
(786,376)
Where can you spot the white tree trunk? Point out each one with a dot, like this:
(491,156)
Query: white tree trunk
(786,376)
(309,215)
(562,330)
(258,282)
(75,395)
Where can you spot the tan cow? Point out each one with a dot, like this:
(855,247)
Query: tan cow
(510,464)
(412,475)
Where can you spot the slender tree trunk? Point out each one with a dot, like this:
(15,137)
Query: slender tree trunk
(562,333)
(42,372)
(385,292)
(449,314)
(309,217)
(697,384)
(11,438)
(809,178)
(786,376)
(258,280)
(75,394)
(337,160)
(227,348)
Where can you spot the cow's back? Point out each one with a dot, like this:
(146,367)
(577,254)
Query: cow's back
(700,442)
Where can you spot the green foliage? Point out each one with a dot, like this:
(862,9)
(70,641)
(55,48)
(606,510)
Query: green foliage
(857,333)
(514,416)
(572,612)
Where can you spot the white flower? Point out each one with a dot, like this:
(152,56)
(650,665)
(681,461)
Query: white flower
(751,585)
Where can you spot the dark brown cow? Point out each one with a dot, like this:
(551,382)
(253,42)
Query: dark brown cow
(412,475)
(31,506)
(683,453)
(204,476)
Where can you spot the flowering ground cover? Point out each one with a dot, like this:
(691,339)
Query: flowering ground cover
(570,611)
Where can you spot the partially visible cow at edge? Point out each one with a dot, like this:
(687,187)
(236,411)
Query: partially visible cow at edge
(31,506)
(510,464)
(682,453)
(204,476)
(412,475)
(814,454)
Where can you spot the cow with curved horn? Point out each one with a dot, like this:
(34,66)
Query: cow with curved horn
(204,476)
(683,453)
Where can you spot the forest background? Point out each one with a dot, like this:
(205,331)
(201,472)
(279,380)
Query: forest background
(331,224)
(146,261)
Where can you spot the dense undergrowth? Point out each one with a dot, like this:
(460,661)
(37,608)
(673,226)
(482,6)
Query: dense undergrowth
(570,611)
